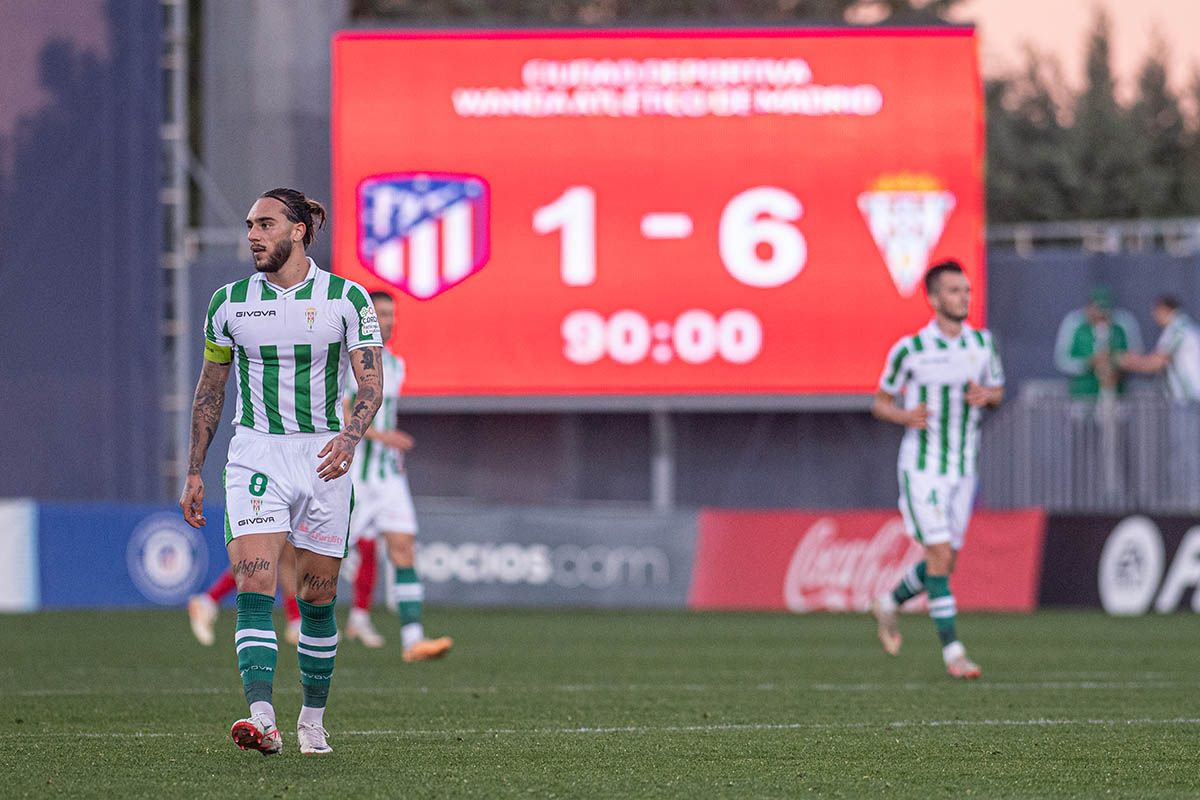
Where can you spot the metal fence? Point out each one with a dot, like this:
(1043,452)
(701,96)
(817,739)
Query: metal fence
(1140,452)
(1179,237)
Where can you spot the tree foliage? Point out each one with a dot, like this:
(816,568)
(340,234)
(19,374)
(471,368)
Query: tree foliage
(1056,156)
(605,12)
(1031,173)
(1160,130)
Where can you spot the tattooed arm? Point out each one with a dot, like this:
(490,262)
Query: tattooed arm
(367,363)
(206,416)
(395,438)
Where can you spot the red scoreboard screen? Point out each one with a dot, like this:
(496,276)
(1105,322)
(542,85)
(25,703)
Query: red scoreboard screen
(655,213)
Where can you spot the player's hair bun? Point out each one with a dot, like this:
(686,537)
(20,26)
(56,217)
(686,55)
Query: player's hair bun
(299,208)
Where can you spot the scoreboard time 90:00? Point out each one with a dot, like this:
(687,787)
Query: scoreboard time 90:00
(759,245)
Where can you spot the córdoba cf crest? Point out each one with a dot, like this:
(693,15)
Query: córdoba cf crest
(906,213)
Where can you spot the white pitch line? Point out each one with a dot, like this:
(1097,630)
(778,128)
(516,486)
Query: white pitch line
(652,729)
(585,688)
(1002,686)
(114,692)
(666,225)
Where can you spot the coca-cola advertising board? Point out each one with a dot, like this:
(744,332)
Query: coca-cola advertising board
(839,560)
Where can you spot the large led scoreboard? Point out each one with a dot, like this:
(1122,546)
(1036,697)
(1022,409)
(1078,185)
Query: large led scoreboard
(649,215)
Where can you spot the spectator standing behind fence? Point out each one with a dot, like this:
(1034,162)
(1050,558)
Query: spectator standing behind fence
(1176,358)
(1090,343)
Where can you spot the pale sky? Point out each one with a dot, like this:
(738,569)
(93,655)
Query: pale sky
(1060,27)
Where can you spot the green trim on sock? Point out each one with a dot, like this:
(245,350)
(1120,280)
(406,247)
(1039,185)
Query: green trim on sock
(904,590)
(938,587)
(410,610)
(256,661)
(316,665)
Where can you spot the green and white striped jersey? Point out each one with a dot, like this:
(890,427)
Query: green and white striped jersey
(931,369)
(1180,341)
(372,461)
(291,347)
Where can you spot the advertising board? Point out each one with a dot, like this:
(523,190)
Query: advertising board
(841,560)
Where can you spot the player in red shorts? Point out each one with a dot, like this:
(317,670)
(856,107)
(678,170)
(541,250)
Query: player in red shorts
(383,506)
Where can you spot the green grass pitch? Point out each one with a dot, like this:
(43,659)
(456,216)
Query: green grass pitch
(616,704)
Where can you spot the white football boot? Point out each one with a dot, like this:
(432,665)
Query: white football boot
(202,613)
(957,663)
(312,739)
(883,608)
(359,627)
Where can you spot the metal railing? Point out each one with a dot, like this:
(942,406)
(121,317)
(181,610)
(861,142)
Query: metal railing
(1179,237)
(1136,453)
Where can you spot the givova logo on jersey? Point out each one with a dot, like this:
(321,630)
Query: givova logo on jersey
(906,213)
(423,232)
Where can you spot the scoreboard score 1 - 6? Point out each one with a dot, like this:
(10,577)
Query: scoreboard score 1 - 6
(655,213)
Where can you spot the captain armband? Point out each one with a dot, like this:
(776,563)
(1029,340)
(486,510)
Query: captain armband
(216,353)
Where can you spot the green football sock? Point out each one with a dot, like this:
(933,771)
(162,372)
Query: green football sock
(316,651)
(911,585)
(941,607)
(409,594)
(256,646)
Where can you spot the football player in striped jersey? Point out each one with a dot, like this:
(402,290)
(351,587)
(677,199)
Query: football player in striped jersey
(289,332)
(936,384)
(383,505)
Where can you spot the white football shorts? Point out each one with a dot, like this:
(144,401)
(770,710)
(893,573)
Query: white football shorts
(936,508)
(271,485)
(382,506)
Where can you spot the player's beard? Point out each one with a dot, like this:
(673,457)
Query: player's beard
(943,310)
(277,258)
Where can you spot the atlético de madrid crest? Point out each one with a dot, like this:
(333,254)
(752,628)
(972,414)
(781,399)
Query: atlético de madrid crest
(906,213)
(423,232)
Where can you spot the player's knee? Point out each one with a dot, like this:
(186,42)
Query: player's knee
(259,583)
(400,549)
(317,588)
(939,559)
(317,598)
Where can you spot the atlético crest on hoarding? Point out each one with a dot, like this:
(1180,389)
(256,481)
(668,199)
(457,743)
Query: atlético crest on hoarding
(423,232)
(906,213)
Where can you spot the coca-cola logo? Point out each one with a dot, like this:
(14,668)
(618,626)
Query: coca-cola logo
(830,571)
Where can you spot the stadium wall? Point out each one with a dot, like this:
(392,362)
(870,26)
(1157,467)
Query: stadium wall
(80,243)
(264,89)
